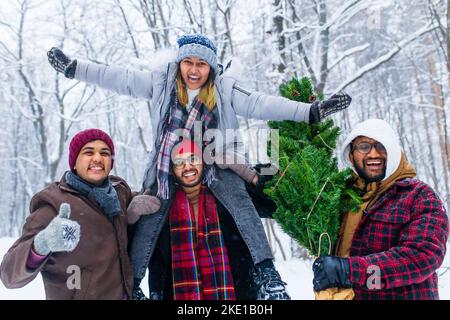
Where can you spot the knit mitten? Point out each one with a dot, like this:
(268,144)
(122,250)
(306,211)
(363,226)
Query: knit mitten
(61,234)
(321,109)
(142,205)
(62,63)
(238,166)
(331,272)
(245,171)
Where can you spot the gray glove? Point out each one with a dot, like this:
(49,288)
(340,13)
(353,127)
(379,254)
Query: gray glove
(238,165)
(142,205)
(245,171)
(61,234)
(61,63)
(321,109)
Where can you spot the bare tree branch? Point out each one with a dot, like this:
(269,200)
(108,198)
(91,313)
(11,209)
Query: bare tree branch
(386,57)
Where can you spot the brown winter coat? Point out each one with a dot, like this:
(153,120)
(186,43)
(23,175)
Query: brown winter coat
(101,254)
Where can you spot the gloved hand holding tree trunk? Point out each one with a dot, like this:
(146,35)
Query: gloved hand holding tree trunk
(331,272)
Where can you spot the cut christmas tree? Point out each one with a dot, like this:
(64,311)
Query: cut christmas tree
(309,190)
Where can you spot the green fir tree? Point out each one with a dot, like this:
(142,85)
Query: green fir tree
(309,190)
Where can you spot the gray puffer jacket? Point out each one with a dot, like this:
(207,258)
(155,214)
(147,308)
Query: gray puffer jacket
(156,86)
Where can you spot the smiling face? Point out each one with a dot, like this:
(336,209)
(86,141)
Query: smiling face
(188,169)
(194,72)
(369,159)
(94,161)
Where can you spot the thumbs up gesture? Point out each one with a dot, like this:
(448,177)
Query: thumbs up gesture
(61,234)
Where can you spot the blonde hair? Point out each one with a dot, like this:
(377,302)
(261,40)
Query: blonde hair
(207,93)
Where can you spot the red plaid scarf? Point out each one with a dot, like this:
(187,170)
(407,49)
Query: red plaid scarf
(200,266)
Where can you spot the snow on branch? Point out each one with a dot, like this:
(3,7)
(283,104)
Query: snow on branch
(21,109)
(347,53)
(386,57)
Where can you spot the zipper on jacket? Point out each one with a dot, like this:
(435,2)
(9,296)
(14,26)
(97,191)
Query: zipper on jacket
(241,90)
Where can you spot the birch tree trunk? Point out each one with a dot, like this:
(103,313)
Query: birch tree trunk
(278,34)
(324,41)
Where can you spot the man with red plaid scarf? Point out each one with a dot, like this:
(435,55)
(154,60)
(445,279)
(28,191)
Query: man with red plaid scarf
(200,253)
(393,246)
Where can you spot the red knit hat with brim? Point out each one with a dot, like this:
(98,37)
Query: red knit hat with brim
(187,146)
(85,136)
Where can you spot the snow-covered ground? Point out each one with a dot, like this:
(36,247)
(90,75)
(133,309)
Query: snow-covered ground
(297,273)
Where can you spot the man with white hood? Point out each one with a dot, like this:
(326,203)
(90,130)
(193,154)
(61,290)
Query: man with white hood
(391,248)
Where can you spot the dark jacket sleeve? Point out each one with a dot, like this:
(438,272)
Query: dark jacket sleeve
(13,270)
(263,204)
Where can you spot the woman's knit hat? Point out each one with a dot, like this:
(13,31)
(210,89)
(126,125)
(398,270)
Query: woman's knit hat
(81,138)
(197,45)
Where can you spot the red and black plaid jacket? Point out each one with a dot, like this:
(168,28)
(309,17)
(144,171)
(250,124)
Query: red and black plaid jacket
(402,240)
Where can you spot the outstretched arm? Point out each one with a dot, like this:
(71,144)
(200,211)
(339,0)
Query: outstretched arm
(121,80)
(265,107)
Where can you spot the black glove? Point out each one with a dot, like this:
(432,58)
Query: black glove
(138,294)
(321,109)
(331,272)
(263,204)
(156,295)
(61,63)
(263,170)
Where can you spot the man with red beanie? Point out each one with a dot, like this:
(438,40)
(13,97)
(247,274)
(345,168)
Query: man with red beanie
(76,234)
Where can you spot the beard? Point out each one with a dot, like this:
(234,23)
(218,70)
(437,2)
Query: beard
(193,183)
(368,179)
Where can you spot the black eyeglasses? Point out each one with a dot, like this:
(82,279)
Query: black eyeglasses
(366,147)
(192,160)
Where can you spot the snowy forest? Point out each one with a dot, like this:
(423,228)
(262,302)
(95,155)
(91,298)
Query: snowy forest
(392,57)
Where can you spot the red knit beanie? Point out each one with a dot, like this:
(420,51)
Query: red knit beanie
(187,146)
(85,136)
